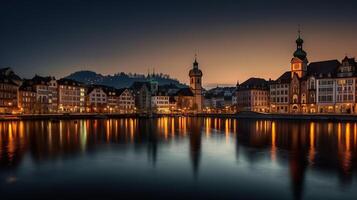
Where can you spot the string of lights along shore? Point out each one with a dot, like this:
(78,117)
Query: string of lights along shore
(327,86)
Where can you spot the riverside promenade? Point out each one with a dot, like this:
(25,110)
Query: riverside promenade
(241,115)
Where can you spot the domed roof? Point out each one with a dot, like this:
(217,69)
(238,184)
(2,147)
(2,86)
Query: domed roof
(301,54)
(195,72)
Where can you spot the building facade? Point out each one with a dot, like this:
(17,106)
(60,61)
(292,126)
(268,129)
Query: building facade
(71,96)
(46,94)
(9,85)
(27,97)
(253,95)
(126,100)
(96,99)
(280,94)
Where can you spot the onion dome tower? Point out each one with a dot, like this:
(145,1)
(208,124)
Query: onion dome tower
(299,61)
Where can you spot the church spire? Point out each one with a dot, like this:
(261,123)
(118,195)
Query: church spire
(300,53)
(195,63)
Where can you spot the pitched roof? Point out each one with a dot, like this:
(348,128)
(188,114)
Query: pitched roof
(7,80)
(7,73)
(254,83)
(27,85)
(121,90)
(40,80)
(323,69)
(70,82)
(284,78)
(184,92)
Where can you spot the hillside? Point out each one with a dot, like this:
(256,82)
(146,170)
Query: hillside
(120,80)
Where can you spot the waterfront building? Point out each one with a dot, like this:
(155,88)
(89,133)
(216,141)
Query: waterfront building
(27,97)
(346,86)
(184,99)
(195,75)
(142,92)
(8,95)
(280,93)
(9,85)
(46,94)
(96,99)
(319,87)
(160,103)
(253,95)
(336,87)
(126,100)
(71,96)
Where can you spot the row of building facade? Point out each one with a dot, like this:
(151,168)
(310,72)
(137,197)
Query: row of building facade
(317,87)
(42,95)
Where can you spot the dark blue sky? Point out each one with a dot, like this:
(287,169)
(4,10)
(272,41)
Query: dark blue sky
(59,37)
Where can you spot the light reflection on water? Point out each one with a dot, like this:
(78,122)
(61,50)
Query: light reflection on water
(178,158)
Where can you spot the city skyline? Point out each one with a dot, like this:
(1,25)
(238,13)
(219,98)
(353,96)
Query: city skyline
(110,37)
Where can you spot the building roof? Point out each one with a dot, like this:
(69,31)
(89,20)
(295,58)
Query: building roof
(195,71)
(284,78)
(40,80)
(27,85)
(121,90)
(137,85)
(7,80)
(6,74)
(323,69)
(70,82)
(184,92)
(253,83)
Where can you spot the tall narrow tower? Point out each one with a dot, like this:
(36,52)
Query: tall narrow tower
(299,61)
(196,85)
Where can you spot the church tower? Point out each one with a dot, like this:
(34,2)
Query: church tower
(299,61)
(196,86)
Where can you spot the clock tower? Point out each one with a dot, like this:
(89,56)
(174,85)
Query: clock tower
(196,86)
(299,61)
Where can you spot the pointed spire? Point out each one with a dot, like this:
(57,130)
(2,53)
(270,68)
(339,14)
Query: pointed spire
(195,63)
(299,31)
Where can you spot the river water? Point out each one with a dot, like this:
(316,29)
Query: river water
(177,158)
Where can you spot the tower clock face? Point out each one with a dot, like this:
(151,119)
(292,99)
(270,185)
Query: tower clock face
(296,66)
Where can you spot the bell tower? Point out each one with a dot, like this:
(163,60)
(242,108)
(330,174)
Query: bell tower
(195,75)
(299,61)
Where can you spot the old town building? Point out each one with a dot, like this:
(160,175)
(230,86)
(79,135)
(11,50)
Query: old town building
(9,85)
(96,99)
(8,95)
(142,92)
(46,94)
(280,94)
(71,96)
(336,87)
(126,100)
(27,97)
(253,95)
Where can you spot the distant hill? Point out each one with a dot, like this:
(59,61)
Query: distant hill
(120,80)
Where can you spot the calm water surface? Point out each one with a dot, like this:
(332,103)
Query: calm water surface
(176,158)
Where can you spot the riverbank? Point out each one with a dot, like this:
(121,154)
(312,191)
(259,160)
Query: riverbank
(302,117)
(242,115)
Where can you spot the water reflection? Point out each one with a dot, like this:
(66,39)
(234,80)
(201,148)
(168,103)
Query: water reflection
(304,148)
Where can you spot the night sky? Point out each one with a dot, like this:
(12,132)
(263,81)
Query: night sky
(234,40)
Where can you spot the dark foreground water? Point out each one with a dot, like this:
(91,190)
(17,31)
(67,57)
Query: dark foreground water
(177,158)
